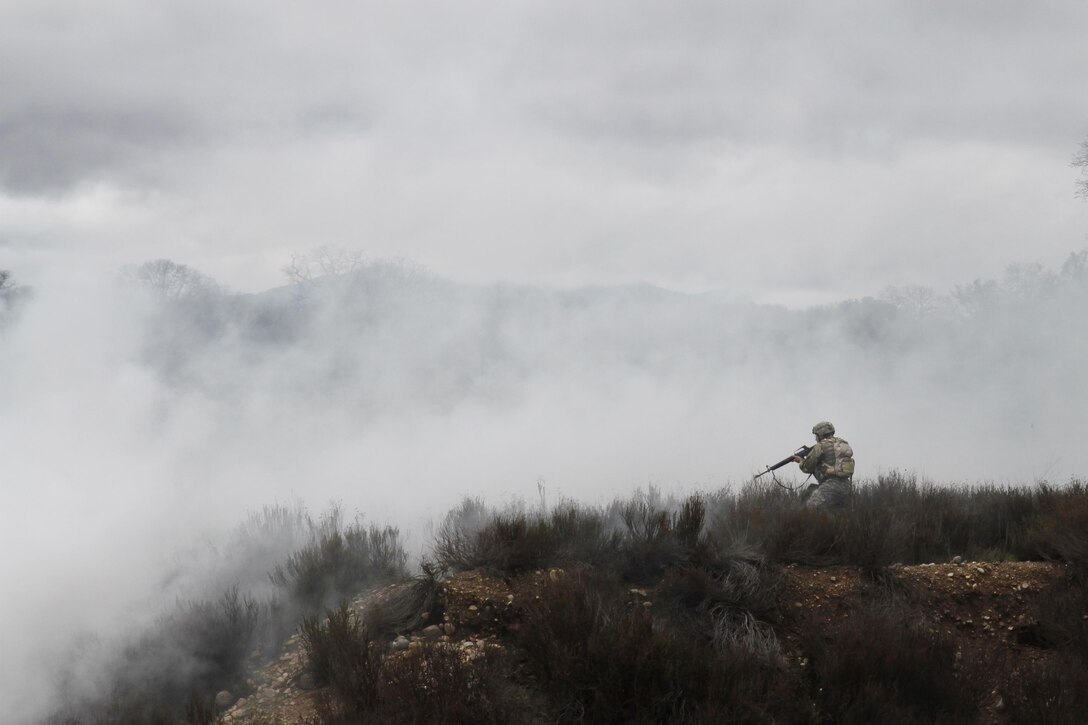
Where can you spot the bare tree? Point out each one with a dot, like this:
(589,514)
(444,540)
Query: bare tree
(171,281)
(11,294)
(915,300)
(1075,266)
(1080,161)
(323,262)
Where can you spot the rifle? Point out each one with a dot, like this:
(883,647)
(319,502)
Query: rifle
(802,451)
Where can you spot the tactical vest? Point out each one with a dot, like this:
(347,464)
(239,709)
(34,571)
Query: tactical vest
(836,459)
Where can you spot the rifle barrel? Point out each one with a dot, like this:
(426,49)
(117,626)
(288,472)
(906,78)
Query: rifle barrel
(802,451)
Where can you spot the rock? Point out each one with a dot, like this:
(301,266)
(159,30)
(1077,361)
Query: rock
(224,699)
(448,628)
(399,644)
(957,559)
(432,632)
(307,681)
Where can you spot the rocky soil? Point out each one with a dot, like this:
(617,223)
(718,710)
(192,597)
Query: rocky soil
(985,607)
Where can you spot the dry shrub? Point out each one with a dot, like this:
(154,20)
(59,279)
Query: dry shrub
(441,683)
(505,544)
(1061,530)
(654,539)
(434,683)
(343,656)
(339,561)
(517,541)
(877,666)
(175,666)
(639,538)
(734,589)
(604,659)
(898,519)
(201,711)
(407,606)
(455,547)
(873,539)
(1061,614)
(1053,691)
(803,536)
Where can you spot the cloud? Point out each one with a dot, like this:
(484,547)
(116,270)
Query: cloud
(97,89)
(49,152)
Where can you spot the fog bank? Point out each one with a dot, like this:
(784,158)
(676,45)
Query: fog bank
(145,414)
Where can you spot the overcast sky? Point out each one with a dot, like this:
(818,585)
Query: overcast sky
(790,152)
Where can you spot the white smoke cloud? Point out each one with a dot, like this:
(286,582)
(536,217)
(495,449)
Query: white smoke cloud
(136,429)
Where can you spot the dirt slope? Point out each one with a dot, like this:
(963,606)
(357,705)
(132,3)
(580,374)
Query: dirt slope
(985,607)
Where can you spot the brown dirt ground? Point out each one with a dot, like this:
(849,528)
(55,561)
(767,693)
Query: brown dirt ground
(986,607)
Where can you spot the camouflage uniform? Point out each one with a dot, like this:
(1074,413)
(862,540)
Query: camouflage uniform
(831,462)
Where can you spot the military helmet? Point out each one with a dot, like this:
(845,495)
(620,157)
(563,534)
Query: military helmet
(823,429)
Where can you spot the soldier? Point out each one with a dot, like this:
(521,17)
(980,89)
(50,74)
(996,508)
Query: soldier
(831,461)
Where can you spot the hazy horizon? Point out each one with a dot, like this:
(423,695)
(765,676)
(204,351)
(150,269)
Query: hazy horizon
(775,151)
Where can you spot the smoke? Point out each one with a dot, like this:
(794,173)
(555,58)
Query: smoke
(143,416)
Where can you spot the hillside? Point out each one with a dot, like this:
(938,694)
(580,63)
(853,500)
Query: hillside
(916,603)
(986,610)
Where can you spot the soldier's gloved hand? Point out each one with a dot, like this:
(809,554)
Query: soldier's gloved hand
(797,459)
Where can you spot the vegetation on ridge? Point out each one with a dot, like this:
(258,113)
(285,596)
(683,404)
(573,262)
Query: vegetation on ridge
(707,651)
